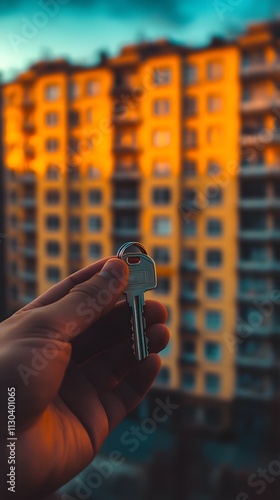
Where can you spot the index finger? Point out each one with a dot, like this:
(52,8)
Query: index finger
(62,288)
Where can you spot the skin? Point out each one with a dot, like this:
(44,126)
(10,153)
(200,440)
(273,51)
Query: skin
(88,379)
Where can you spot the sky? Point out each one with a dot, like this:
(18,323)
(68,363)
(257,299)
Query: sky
(79,29)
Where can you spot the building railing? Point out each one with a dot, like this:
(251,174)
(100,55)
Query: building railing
(251,393)
(126,204)
(262,360)
(28,251)
(260,69)
(260,234)
(260,266)
(28,202)
(259,203)
(28,275)
(28,226)
(261,170)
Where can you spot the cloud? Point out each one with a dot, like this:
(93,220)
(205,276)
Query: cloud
(169,11)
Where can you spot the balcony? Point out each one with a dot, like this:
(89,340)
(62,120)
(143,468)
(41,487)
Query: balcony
(189,296)
(28,226)
(29,251)
(28,178)
(189,267)
(126,204)
(28,128)
(120,89)
(264,330)
(126,148)
(251,393)
(253,295)
(259,266)
(260,69)
(29,152)
(130,232)
(262,361)
(28,202)
(28,102)
(261,137)
(260,104)
(188,358)
(126,121)
(29,276)
(259,171)
(260,234)
(123,173)
(259,204)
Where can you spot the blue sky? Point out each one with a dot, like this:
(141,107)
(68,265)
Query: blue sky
(79,29)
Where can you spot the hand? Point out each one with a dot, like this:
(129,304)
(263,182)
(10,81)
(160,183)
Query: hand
(68,354)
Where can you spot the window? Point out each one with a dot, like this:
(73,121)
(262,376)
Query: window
(214,195)
(214,135)
(213,168)
(14,268)
(51,145)
(162,76)
(95,223)
(213,320)
(74,173)
(212,351)
(190,227)
(214,70)
(189,319)
(161,196)
(161,169)
(74,145)
(13,196)
(190,138)
(14,292)
(93,172)
(74,224)
(212,383)
(214,103)
(161,138)
(213,288)
(95,250)
(74,198)
(53,273)
(190,106)
(188,380)
(53,222)
(163,376)
(163,286)
(73,90)
(213,258)
(162,226)
(190,168)
(74,118)
(92,87)
(214,227)
(161,107)
(53,248)
(52,92)
(161,255)
(52,172)
(75,250)
(189,287)
(52,197)
(13,244)
(95,196)
(189,256)
(190,74)
(51,118)
(13,221)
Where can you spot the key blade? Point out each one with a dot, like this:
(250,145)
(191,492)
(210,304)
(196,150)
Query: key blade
(138,323)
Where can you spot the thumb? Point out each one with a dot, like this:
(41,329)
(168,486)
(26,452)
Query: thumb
(87,301)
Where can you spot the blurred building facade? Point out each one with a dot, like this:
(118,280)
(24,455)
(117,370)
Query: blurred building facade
(179,149)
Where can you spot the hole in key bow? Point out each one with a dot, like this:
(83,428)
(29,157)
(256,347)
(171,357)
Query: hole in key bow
(133,260)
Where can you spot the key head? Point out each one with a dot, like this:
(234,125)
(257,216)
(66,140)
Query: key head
(142,273)
(129,247)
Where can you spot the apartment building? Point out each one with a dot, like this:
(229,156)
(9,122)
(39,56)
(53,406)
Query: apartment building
(147,146)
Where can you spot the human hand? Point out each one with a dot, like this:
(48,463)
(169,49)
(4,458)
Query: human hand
(68,354)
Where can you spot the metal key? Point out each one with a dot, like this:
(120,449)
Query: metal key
(142,277)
